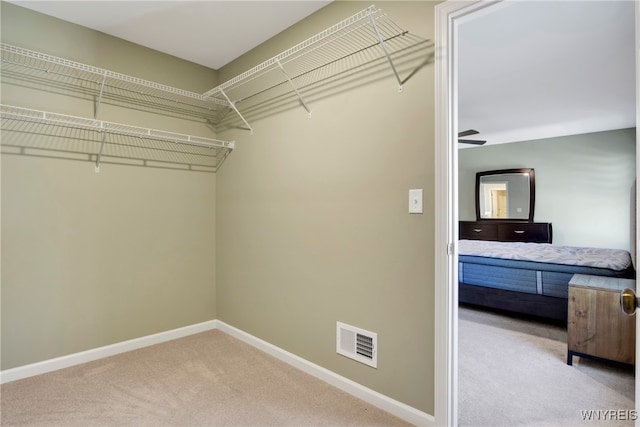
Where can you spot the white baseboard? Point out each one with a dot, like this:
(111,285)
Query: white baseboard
(379,400)
(98,353)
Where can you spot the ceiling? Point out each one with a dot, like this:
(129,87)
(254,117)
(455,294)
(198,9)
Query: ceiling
(527,69)
(539,69)
(208,32)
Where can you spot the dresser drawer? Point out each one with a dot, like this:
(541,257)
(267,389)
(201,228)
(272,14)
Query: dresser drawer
(478,230)
(515,231)
(525,232)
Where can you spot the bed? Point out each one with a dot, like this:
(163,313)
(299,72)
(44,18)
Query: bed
(530,277)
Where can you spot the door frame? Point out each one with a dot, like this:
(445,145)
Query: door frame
(448,16)
(636,239)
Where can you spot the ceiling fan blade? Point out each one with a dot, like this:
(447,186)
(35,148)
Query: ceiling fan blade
(471,141)
(468,132)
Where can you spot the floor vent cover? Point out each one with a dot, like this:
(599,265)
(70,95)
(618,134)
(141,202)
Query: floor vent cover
(357,344)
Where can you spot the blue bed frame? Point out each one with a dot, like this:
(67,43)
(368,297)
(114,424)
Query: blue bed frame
(533,288)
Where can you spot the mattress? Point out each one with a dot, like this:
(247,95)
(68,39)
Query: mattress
(536,268)
(610,259)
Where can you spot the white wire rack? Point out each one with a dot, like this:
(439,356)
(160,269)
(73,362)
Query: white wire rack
(347,48)
(215,150)
(104,84)
(370,32)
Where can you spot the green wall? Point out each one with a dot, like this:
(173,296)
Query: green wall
(312,216)
(90,259)
(305,224)
(583,183)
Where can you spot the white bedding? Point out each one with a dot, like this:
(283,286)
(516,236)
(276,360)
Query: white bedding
(614,259)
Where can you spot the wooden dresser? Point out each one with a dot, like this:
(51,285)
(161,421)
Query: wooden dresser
(506,231)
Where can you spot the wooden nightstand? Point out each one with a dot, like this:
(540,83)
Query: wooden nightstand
(596,326)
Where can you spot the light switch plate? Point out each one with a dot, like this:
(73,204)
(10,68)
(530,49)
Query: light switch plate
(415,201)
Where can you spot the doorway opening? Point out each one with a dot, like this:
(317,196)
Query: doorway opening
(448,20)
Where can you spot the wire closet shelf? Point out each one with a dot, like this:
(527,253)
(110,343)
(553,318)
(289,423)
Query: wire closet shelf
(104,84)
(370,32)
(214,148)
(366,37)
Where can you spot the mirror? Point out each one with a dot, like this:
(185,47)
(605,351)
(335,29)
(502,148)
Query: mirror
(506,194)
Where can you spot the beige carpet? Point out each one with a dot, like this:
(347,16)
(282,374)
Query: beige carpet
(208,379)
(513,372)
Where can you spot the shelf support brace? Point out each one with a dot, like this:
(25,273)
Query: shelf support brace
(295,89)
(384,48)
(236,110)
(104,135)
(99,101)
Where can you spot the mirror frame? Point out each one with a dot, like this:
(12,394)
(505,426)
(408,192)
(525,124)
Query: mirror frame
(532,192)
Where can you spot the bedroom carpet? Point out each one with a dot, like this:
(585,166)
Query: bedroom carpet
(207,379)
(513,372)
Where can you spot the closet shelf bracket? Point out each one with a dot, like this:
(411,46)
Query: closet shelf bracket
(233,106)
(384,49)
(99,100)
(104,136)
(295,89)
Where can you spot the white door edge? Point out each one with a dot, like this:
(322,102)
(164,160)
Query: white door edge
(447,16)
(637,239)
